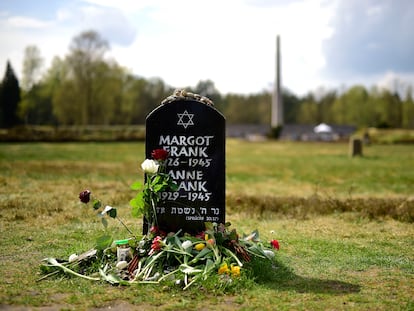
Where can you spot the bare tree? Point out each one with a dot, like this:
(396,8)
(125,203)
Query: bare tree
(85,63)
(32,65)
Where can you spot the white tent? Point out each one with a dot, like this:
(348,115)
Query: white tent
(322,128)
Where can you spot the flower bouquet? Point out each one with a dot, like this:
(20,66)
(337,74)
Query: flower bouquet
(176,258)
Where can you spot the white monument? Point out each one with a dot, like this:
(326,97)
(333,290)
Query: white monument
(277,102)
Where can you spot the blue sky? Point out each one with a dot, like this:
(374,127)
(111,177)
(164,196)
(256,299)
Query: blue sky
(325,44)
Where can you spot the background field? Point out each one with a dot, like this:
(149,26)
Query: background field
(313,196)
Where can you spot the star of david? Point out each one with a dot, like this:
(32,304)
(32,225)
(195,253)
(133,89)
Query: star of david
(185,119)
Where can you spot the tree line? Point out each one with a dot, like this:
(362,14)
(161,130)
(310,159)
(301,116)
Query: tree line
(85,88)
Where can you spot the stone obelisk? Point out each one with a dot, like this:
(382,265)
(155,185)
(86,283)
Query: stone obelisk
(277,102)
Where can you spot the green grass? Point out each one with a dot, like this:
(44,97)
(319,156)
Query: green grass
(329,260)
(306,168)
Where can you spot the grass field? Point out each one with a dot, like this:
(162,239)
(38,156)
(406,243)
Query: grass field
(336,257)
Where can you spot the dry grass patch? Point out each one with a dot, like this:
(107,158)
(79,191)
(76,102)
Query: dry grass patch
(303,207)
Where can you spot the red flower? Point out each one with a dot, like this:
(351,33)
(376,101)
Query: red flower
(200,235)
(85,196)
(156,231)
(159,154)
(156,245)
(275,244)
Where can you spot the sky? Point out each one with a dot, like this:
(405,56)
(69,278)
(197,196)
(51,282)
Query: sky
(324,44)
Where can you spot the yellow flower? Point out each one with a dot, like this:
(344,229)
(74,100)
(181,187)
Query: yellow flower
(223,269)
(235,270)
(199,246)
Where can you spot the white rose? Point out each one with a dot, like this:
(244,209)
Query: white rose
(149,166)
(187,244)
(73,257)
(269,253)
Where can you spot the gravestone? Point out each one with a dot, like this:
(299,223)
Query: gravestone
(193,131)
(355,147)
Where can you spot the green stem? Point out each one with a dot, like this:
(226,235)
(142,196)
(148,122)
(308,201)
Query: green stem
(125,226)
(47,275)
(168,274)
(232,255)
(53,262)
(149,265)
(154,212)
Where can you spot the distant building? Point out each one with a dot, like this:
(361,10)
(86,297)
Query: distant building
(247,130)
(292,132)
(321,132)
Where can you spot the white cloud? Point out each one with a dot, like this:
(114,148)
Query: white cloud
(230,42)
(125,5)
(26,22)
(111,23)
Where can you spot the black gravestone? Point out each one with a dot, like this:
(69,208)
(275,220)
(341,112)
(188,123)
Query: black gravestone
(194,134)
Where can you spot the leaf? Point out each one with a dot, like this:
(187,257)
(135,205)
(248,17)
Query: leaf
(136,211)
(204,252)
(139,199)
(230,253)
(173,186)
(209,226)
(186,269)
(96,204)
(233,235)
(136,185)
(88,254)
(208,267)
(112,278)
(254,236)
(256,250)
(175,240)
(138,206)
(134,202)
(103,242)
(158,187)
(112,213)
(155,180)
(104,222)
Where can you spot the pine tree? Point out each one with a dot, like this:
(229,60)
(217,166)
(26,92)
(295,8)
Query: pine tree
(9,98)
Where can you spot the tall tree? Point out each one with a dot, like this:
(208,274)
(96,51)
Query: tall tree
(308,112)
(32,64)
(325,103)
(83,81)
(408,109)
(389,108)
(208,89)
(291,106)
(351,107)
(9,98)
